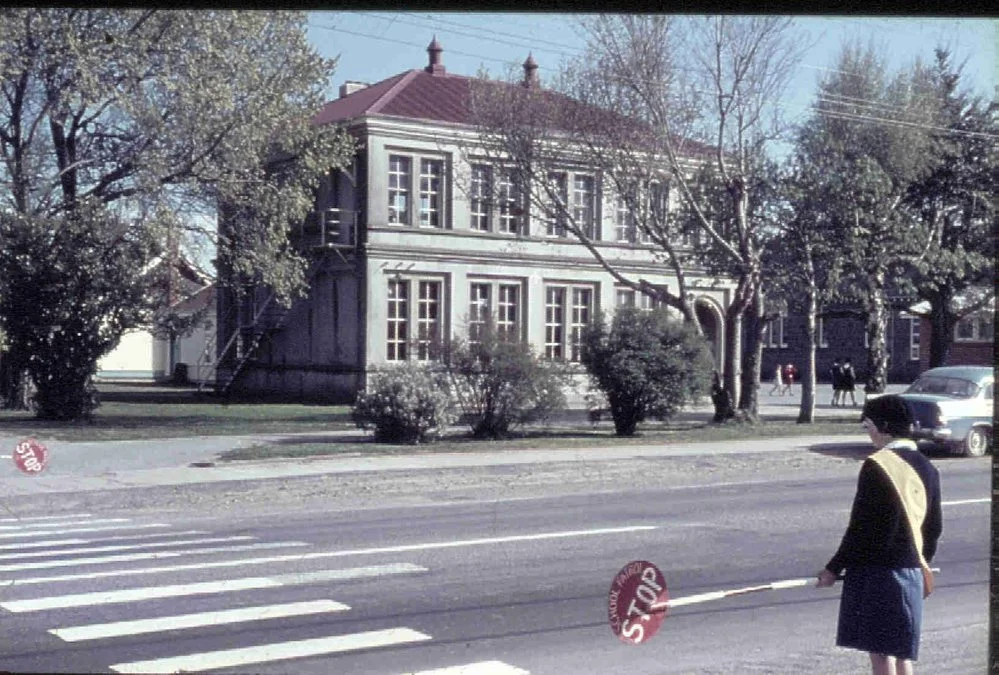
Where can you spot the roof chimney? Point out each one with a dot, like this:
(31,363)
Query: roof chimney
(530,71)
(350,86)
(435,67)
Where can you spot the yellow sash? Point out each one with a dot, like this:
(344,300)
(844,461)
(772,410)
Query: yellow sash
(912,493)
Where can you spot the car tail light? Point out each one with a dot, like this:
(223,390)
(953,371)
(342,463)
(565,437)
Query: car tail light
(941,418)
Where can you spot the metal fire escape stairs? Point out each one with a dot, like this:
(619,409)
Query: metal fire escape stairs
(333,237)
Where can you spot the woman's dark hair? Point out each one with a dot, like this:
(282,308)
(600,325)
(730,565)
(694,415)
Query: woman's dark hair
(890,415)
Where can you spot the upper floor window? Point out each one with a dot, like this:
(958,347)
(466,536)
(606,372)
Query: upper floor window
(555,206)
(625,225)
(431,193)
(481,204)
(400,179)
(511,203)
(627,297)
(584,204)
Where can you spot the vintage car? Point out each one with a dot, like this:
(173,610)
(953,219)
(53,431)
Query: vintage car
(953,408)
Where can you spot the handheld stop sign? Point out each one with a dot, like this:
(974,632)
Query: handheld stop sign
(30,456)
(639,600)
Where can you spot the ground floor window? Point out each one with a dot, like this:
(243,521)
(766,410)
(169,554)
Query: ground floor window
(413,303)
(773,333)
(975,328)
(568,310)
(497,299)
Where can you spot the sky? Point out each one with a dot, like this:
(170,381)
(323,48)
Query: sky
(373,45)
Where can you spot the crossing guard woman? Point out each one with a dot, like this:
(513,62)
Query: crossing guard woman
(892,536)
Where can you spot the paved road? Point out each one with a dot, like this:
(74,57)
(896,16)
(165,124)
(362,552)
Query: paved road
(491,587)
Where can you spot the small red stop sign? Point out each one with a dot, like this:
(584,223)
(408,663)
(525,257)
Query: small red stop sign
(634,590)
(31,456)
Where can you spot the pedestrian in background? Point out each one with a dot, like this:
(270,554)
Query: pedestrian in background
(778,381)
(849,382)
(836,376)
(895,523)
(789,372)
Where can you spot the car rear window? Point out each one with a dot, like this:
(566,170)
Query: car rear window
(944,386)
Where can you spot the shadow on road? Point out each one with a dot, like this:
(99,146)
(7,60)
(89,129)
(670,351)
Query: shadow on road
(861,451)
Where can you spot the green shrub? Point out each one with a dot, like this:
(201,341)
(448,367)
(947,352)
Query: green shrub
(499,384)
(408,403)
(646,365)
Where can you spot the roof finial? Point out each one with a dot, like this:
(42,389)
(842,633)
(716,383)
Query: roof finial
(435,67)
(530,71)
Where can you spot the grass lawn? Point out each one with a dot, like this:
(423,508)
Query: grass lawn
(574,438)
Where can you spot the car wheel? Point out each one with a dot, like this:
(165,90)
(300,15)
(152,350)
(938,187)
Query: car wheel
(975,442)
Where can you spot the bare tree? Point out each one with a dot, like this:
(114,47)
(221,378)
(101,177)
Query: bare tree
(653,100)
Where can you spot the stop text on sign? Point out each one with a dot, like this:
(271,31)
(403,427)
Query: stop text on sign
(634,590)
(30,456)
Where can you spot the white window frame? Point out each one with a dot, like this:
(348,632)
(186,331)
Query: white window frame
(432,193)
(555,225)
(415,326)
(427,195)
(400,184)
(584,203)
(510,199)
(503,300)
(768,333)
(566,318)
(913,334)
(480,216)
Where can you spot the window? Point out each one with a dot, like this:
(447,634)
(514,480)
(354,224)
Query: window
(506,312)
(555,216)
(625,297)
(584,205)
(431,172)
(773,333)
(478,310)
(564,325)
(399,186)
(913,322)
(481,204)
(625,227)
(820,333)
(975,328)
(400,318)
(510,203)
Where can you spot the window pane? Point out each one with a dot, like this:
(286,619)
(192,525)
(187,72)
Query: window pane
(581,301)
(510,203)
(431,171)
(398,312)
(478,310)
(481,189)
(625,297)
(583,207)
(398,192)
(555,216)
(508,308)
(554,321)
(428,318)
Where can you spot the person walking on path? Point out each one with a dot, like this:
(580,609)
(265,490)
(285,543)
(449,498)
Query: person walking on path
(789,372)
(836,377)
(778,381)
(849,382)
(892,536)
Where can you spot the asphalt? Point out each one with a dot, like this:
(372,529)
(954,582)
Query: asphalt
(111,465)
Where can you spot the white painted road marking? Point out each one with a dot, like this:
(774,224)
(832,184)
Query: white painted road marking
(278,651)
(62,523)
(203,588)
(27,518)
(151,555)
(328,554)
(98,631)
(43,533)
(123,547)
(94,540)
(959,502)
(480,668)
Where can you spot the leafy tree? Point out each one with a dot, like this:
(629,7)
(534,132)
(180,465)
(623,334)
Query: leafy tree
(647,364)
(161,116)
(75,293)
(868,163)
(955,201)
(499,384)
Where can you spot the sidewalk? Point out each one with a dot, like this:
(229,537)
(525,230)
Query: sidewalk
(125,464)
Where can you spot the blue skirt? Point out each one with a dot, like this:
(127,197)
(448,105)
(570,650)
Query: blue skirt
(881,611)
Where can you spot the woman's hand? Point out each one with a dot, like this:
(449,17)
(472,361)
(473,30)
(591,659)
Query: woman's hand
(825,579)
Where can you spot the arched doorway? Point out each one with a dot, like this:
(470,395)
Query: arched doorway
(710,317)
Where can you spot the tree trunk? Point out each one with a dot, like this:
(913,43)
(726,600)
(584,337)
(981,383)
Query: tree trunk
(733,344)
(749,398)
(942,323)
(806,411)
(877,355)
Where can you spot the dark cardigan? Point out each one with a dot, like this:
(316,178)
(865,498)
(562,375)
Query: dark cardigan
(878,533)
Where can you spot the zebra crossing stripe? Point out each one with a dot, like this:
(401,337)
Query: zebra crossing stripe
(93,540)
(278,651)
(70,523)
(99,631)
(480,668)
(30,518)
(124,547)
(150,555)
(203,588)
(44,533)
